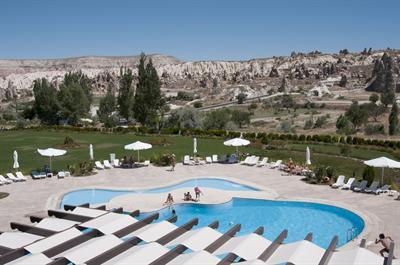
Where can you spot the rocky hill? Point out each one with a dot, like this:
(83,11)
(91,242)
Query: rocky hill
(208,79)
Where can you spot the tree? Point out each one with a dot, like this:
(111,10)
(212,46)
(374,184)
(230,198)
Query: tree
(387,97)
(240,118)
(374,98)
(368,174)
(241,97)
(83,81)
(394,120)
(149,101)
(216,119)
(357,115)
(187,117)
(73,103)
(46,106)
(287,102)
(342,122)
(343,81)
(107,105)
(125,95)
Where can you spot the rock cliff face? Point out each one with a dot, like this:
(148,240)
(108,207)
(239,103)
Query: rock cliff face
(216,78)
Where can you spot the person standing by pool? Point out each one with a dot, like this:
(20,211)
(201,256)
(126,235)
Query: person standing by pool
(173,162)
(170,199)
(198,192)
(385,241)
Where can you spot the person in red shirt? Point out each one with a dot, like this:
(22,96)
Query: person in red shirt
(198,192)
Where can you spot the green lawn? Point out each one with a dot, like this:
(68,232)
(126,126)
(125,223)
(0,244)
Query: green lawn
(360,153)
(26,142)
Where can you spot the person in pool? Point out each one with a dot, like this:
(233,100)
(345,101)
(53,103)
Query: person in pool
(385,241)
(170,199)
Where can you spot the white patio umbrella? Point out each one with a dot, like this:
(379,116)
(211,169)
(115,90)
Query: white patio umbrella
(91,152)
(308,156)
(15,157)
(51,152)
(194,146)
(237,142)
(137,146)
(382,162)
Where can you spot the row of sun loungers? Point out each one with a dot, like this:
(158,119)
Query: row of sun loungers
(83,235)
(10,178)
(362,186)
(116,163)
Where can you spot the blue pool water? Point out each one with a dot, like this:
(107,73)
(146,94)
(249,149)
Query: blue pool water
(94,196)
(299,218)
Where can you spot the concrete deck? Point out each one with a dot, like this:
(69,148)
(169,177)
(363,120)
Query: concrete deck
(380,213)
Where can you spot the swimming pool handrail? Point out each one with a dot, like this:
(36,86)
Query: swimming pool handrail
(329,251)
(135,226)
(231,257)
(274,245)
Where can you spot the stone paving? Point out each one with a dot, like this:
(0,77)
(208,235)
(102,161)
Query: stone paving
(380,213)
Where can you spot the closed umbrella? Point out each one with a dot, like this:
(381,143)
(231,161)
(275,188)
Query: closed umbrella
(382,162)
(237,142)
(91,152)
(51,152)
(308,156)
(15,157)
(137,146)
(194,146)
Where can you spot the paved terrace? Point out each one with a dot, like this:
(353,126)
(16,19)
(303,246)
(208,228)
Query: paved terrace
(380,213)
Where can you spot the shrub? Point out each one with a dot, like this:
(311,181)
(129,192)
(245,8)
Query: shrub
(84,168)
(368,174)
(330,172)
(183,95)
(319,174)
(371,129)
(162,160)
(68,140)
(198,104)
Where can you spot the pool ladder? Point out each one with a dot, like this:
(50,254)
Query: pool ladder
(351,234)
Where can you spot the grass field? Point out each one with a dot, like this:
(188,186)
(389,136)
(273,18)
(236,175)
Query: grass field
(26,143)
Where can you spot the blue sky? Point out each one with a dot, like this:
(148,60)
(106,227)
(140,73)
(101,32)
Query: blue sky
(194,30)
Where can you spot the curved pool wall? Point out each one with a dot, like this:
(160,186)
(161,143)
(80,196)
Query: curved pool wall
(95,196)
(300,218)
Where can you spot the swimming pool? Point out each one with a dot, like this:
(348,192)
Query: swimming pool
(300,218)
(94,196)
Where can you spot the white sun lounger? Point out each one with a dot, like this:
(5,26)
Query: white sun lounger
(254,161)
(247,160)
(208,159)
(276,164)
(98,165)
(107,164)
(19,175)
(146,163)
(347,185)
(339,182)
(116,163)
(13,178)
(4,180)
(186,160)
(214,158)
(263,162)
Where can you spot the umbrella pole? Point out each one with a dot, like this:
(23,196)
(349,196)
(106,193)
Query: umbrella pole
(237,150)
(50,163)
(138,158)
(382,176)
